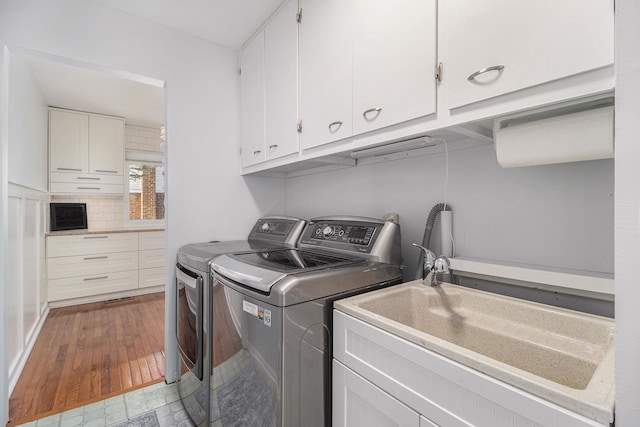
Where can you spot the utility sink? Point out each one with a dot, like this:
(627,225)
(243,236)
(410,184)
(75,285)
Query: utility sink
(561,355)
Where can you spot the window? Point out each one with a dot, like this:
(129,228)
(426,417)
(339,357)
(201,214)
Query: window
(146,191)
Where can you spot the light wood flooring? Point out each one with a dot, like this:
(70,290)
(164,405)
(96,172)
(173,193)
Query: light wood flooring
(88,352)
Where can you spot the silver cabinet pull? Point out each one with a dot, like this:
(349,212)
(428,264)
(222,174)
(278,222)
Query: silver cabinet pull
(273,147)
(88,178)
(69,169)
(105,171)
(255,153)
(94,257)
(497,68)
(88,188)
(371,110)
(333,127)
(95,237)
(86,279)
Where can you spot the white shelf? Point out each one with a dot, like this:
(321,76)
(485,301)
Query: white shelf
(584,283)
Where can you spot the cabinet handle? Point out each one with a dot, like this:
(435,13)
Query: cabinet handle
(273,147)
(88,188)
(69,169)
(88,178)
(497,68)
(104,171)
(86,279)
(255,153)
(94,257)
(371,110)
(333,127)
(96,237)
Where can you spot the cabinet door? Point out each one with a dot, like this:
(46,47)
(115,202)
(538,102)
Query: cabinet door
(358,403)
(394,55)
(325,71)
(281,82)
(68,142)
(106,145)
(252,101)
(519,44)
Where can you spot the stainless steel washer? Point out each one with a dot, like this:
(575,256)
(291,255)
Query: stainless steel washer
(272,321)
(194,303)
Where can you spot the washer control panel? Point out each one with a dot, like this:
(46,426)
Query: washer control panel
(345,233)
(279,230)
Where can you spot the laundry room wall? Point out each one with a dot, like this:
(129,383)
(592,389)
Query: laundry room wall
(554,215)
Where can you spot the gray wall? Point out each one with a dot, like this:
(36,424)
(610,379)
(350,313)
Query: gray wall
(555,215)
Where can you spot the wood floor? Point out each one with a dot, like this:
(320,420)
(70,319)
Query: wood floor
(87,352)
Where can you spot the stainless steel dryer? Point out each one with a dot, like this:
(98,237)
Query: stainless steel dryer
(194,303)
(272,321)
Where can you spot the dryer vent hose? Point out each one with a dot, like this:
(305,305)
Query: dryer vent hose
(426,238)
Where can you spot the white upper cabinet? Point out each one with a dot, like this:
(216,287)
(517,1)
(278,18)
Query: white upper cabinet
(68,141)
(269,89)
(106,145)
(325,71)
(252,101)
(281,82)
(501,46)
(86,153)
(394,54)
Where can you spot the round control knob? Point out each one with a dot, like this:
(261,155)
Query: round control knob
(327,231)
(265,226)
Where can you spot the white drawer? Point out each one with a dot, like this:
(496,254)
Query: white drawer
(151,277)
(86,244)
(85,188)
(151,259)
(76,287)
(92,264)
(151,240)
(86,178)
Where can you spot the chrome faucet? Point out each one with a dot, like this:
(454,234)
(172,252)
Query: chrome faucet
(432,266)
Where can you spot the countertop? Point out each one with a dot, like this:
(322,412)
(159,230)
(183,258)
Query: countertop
(103,231)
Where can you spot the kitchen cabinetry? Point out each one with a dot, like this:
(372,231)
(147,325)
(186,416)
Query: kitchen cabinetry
(86,153)
(269,89)
(364,66)
(90,267)
(501,46)
(441,391)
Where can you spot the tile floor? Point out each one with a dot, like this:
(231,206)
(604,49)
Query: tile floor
(152,406)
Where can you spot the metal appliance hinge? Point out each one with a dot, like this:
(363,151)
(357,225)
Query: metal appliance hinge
(299,16)
(300,126)
(439,72)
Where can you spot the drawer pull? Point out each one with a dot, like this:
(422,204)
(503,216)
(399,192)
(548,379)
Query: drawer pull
(88,188)
(96,237)
(88,178)
(95,257)
(255,153)
(367,114)
(497,68)
(273,147)
(87,279)
(105,171)
(69,169)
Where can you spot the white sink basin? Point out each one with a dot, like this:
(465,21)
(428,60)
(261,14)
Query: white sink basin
(564,356)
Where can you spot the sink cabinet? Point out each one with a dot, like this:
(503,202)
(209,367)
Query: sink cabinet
(440,390)
(522,44)
(86,153)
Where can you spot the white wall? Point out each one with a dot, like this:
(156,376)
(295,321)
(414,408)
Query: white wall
(627,194)
(205,194)
(556,215)
(29,118)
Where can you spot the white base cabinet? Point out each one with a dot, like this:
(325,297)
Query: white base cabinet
(375,371)
(91,267)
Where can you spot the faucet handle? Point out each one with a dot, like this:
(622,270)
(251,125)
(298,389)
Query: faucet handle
(429,258)
(441,264)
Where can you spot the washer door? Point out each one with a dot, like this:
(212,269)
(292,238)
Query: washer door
(190,318)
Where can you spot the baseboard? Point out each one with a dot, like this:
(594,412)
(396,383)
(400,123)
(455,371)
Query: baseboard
(106,297)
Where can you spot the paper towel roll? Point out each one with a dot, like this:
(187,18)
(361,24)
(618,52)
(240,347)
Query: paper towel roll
(585,135)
